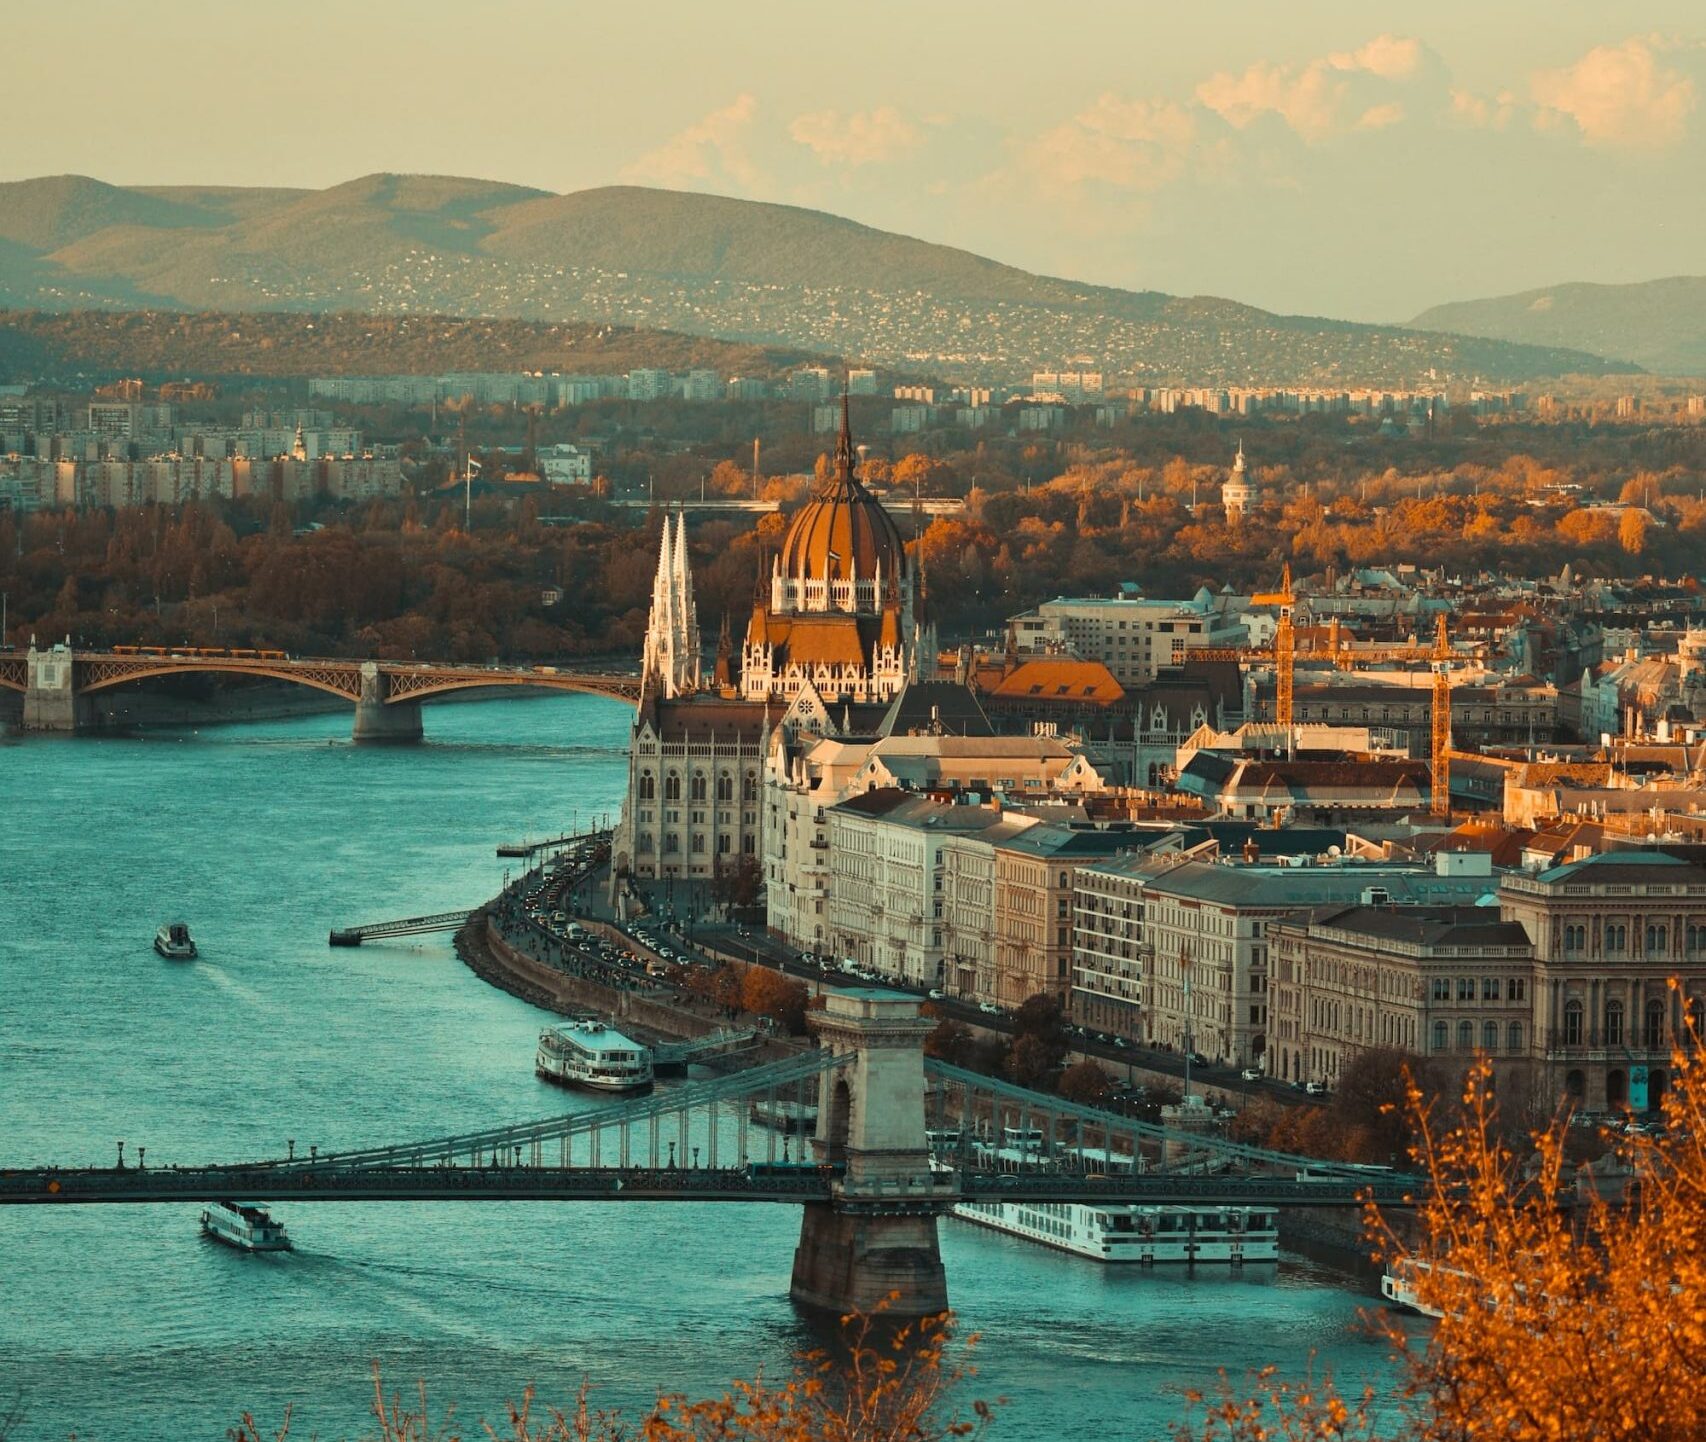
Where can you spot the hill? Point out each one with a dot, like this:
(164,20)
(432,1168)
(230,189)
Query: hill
(99,345)
(771,275)
(1658,324)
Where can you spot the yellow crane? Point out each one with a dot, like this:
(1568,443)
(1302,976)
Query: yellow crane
(1440,766)
(1285,644)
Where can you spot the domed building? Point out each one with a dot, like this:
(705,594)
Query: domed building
(1239,493)
(839,612)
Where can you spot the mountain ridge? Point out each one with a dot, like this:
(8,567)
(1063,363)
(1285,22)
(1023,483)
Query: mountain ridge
(753,272)
(1658,324)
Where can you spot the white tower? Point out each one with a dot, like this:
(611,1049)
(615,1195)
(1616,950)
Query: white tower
(1239,492)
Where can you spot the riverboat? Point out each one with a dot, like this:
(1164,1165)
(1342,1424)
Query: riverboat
(249,1229)
(1121,1233)
(174,942)
(1399,1286)
(594,1057)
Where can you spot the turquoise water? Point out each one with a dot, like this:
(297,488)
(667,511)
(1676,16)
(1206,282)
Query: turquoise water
(122,1323)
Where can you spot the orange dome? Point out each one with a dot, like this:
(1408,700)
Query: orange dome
(843,531)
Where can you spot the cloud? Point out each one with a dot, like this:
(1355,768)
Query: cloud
(1128,144)
(1618,96)
(1480,111)
(712,148)
(1347,90)
(862,138)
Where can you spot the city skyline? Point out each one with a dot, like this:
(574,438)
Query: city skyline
(1317,163)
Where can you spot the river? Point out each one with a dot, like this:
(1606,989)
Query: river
(122,1323)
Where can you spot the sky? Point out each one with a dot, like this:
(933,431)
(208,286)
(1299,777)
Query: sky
(1357,160)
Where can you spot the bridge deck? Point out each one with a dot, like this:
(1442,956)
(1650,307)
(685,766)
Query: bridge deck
(760,1183)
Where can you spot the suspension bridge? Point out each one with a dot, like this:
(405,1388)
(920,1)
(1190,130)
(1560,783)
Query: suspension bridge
(900,1139)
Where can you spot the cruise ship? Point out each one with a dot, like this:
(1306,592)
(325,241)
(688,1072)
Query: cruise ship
(249,1229)
(590,1055)
(1128,1233)
(1400,1285)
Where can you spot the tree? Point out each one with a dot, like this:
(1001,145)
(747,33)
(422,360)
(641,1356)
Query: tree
(1031,1062)
(1632,531)
(764,992)
(1557,1321)
(1369,1105)
(950,1041)
(1085,1083)
(1040,1019)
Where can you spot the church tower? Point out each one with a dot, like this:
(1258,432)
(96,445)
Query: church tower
(1239,493)
(670,660)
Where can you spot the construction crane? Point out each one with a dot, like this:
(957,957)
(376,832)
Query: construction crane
(1440,763)
(1285,644)
(1282,653)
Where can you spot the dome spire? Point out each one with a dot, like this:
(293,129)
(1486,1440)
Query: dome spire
(844,444)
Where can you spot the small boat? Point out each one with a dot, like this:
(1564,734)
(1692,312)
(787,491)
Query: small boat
(249,1229)
(173,941)
(594,1057)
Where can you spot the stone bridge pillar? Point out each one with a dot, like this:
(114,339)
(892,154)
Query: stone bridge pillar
(379,720)
(50,700)
(878,1236)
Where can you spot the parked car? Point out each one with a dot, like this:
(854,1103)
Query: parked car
(989,1008)
(1198,1059)
(1251,1073)
(1315,1088)
(935,993)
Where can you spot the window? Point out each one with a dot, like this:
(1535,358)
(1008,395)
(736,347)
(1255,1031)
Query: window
(1572,1023)
(1465,1036)
(1614,1023)
(1657,936)
(1442,988)
(1489,988)
(648,787)
(1616,937)
(1489,1037)
(1518,988)
(725,788)
(672,787)
(1514,1038)
(1466,988)
(1653,1033)
(1441,1034)
(672,842)
(698,786)
(723,843)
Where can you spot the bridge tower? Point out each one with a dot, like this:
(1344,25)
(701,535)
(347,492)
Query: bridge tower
(877,1238)
(50,697)
(377,719)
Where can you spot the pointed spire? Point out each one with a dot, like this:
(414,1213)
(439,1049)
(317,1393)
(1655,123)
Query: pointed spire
(844,444)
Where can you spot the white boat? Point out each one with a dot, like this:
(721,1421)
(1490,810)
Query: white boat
(1126,1233)
(173,941)
(249,1229)
(591,1055)
(1399,1285)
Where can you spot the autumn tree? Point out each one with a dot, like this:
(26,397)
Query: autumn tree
(1085,1083)
(1572,1304)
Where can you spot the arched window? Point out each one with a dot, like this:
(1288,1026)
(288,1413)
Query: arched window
(698,786)
(749,791)
(1572,1023)
(1489,1037)
(1614,1023)
(1465,1036)
(1656,938)
(1653,1033)
(725,788)
(1441,1036)
(648,786)
(1513,1039)
(1696,1020)
(672,787)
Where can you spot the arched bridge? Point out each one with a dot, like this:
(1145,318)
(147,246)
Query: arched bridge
(899,1141)
(57,682)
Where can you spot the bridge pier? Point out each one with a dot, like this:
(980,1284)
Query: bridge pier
(875,1243)
(379,720)
(51,702)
